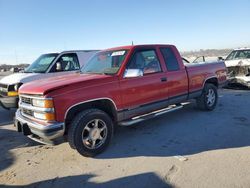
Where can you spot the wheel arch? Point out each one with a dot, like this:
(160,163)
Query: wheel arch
(105,104)
(212,80)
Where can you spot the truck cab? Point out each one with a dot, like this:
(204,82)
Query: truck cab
(47,65)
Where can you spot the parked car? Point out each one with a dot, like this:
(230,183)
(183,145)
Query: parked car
(47,65)
(14,69)
(119,86)
(238,67)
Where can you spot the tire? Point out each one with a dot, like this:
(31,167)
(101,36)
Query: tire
(90,132)
(208,99)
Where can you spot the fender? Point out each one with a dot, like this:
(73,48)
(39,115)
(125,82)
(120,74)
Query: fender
(208,79)
(91,100)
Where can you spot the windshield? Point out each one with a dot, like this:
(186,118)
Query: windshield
(239,54)
(106,62)
(41,64)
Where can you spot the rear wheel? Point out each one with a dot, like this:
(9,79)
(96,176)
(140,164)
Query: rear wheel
(209,97)
(90,132)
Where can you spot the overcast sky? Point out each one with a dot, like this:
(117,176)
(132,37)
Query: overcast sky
(31,27)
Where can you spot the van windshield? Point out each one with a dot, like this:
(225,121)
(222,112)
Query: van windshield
(42,64)
(105,62)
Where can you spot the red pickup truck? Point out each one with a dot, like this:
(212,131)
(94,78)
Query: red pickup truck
(118,86)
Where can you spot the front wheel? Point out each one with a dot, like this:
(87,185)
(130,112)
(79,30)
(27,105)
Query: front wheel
(209,98)
(90,132)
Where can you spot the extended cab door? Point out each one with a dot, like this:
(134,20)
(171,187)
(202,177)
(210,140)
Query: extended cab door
(177,78)
(141,92)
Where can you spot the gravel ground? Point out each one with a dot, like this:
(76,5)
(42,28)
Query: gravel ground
(186,148)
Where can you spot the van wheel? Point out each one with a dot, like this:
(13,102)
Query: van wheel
(208,100)
(90,132)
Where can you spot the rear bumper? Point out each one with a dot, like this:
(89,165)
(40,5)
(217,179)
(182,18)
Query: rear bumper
(48,134)
(9,102)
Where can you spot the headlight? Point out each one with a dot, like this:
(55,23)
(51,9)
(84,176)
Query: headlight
(44,116)
(43,103)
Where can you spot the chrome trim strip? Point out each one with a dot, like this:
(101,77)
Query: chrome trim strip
(34,108)
(151,115)
(35,119)
(87,102)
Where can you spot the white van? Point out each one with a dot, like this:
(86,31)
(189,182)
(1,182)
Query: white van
(47,65)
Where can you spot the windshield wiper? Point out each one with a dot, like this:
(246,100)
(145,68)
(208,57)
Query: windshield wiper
(106,73)
(90,72)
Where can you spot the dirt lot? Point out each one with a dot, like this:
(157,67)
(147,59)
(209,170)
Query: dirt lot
(187,148)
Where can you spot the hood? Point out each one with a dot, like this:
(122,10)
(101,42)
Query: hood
(19,78)
(237,62)
(42,87)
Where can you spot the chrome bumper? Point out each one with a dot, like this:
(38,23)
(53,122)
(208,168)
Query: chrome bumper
(36,131)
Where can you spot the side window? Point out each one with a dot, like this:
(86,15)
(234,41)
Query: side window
(146,61)
(67,62)
(170,59)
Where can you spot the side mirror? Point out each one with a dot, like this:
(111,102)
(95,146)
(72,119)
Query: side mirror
(58,66)
(132,73)
(221,59)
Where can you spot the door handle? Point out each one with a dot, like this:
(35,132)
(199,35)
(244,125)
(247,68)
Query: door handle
(164,79)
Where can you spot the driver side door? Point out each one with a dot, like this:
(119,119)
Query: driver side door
(65,64)
(141,93)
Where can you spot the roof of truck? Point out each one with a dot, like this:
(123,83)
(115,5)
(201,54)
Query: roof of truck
(69,51)
(133,46)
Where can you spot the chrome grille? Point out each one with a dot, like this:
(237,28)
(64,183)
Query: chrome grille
(26,100)
(27,112)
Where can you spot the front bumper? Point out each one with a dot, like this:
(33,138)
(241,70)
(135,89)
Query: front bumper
(47,134)
(239,82)
(9,102)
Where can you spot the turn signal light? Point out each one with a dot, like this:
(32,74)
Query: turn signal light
(12,93)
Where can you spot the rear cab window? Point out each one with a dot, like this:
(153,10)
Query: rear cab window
(170,59)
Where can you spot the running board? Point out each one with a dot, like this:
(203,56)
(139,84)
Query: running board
(150,115)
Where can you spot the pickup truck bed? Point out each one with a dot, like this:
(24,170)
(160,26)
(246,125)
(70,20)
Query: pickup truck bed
(197,74)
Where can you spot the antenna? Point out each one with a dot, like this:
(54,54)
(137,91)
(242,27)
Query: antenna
(132,43)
